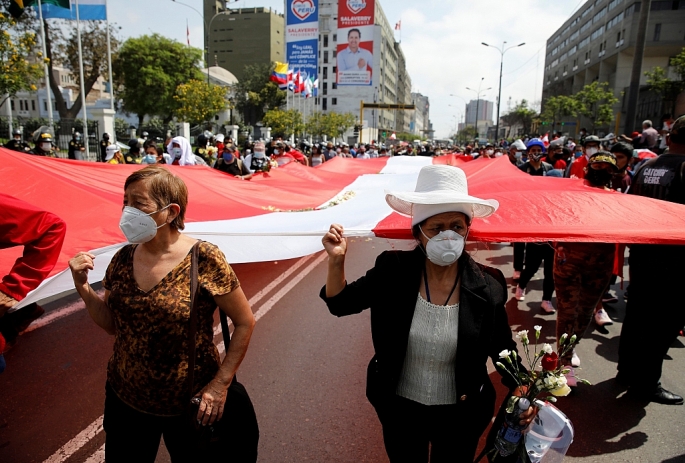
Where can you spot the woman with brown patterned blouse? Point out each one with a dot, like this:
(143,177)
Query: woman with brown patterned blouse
(146,308)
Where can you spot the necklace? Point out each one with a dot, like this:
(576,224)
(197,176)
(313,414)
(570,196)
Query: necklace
(425,282)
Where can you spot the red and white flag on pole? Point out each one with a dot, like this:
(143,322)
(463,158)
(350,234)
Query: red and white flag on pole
(187,33)
(398,26)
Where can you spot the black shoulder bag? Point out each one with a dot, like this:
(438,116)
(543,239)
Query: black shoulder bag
(237,433)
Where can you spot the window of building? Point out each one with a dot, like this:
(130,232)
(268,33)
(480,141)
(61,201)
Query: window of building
(45,105)
(600,14)
(597,33)
(335,69)
(573,50)
(325,72)
(324,104)
(21,105)
(634,8)
(585,26)
(334,86)
(325,41)
(615,20)
(33,105)
(584,42)
(325,57)
(575,63)
(663,5)
(657,32)
(334,101)
(335,53)
(575,35)
(563,57)
(587,11)
(614,3)
(335,38)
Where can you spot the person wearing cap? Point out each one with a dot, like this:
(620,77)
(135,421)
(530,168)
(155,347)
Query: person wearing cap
(114,155)
(44,145)
(104,143)
(577,167)
(436,317)
(583,271)
(258,161)
(535,253)
(17,144)
(656,278)
(76,145)
(516,151)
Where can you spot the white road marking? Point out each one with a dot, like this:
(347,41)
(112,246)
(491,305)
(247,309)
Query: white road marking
(71,447)
(268,305)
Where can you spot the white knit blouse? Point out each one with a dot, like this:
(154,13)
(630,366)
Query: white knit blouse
(428,374)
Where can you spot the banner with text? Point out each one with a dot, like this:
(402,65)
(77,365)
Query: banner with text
(355,42)
(302,37)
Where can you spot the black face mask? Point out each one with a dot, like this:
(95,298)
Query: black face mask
(598,178)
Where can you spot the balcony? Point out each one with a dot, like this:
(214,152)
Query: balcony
(564,74)
(586,61)
(619,43)
(575,68)
(601,53)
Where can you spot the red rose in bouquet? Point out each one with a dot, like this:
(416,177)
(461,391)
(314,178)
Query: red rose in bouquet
(550,362)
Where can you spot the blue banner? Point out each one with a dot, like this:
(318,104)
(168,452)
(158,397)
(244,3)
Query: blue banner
(302,37)
(89,10)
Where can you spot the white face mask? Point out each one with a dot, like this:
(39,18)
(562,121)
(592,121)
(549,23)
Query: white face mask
(137,226)
(445,248)
(259,154)
(46,146)
(276,152)
(590,151)
(176,152)
(489,152)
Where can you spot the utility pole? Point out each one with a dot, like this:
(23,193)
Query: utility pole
(634,89)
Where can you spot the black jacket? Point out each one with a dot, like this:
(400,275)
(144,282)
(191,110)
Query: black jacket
(391,288)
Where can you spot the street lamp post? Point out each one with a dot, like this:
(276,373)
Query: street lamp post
(502,51)
(478,100)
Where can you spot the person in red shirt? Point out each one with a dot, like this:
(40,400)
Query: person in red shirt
(297,155)
(42,234)
(280,155)
(578,166)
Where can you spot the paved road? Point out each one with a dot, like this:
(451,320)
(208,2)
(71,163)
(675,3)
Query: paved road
(305,371)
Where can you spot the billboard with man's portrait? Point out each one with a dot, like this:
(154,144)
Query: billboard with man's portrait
(355,42)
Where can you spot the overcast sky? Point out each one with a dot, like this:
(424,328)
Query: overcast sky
(441,40)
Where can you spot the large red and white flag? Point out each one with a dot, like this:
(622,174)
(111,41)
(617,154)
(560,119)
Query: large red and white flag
(284,214)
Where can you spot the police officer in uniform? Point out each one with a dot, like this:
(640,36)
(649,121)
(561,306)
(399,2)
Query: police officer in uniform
(44,145)
(17,144)
(76,145)
(104,143)
(654,313)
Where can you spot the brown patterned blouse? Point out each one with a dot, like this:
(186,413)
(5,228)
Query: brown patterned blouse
(149,365)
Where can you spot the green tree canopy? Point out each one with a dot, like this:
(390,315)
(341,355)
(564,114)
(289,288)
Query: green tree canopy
(198,101)
(256,94)
(283,123)
(558,107)
(668,89)
(21,64)
(595,101)
(149,69)
(521,114)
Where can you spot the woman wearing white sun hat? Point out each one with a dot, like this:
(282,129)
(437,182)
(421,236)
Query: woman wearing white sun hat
(436,317)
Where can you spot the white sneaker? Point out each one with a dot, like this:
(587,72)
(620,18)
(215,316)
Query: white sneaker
(548,307)
(520,293)
(571,377)
(575,360)
(517,275)
(602,319)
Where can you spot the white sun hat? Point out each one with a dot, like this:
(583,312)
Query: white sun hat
(439,189)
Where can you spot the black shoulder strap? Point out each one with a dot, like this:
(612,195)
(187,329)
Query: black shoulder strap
(192,329)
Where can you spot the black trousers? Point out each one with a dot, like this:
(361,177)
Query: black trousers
(535,254)
(519,256)
(134,437)
(413,433)
(655,313)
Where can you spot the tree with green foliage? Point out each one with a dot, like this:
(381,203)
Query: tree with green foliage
(283,123)
(21,65)
(338,124)
(147,72)
(466,134)
(256,94)
(668,89)
(595,102)
(198,101)
(558,107)
(521,115)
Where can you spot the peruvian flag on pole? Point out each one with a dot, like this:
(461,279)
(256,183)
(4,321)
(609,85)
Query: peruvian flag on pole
(187,33)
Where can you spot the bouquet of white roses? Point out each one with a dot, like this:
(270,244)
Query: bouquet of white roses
(545,374)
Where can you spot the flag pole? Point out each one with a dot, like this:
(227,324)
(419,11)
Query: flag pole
(83,85)
(109,62)
(48,92)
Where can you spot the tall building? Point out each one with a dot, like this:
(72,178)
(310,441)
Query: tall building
(390,80)
(238,37)
(421,116)
(479,110)
(597,43)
